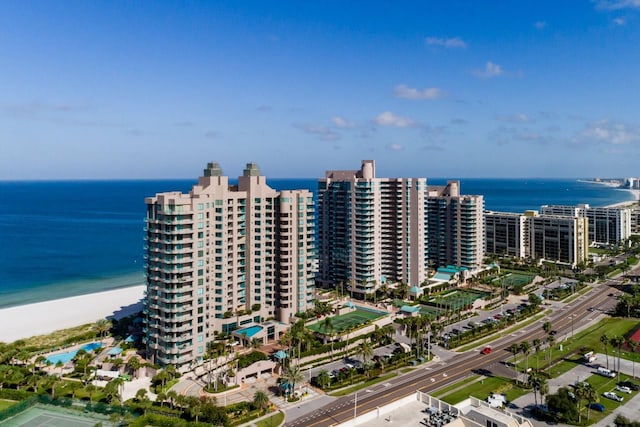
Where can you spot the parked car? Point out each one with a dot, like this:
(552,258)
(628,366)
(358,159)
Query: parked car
(486,350)
(611,395)
(633,386)
(623,389)
(597,407)
(606,372)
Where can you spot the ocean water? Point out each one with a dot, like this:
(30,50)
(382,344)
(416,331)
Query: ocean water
(66,238)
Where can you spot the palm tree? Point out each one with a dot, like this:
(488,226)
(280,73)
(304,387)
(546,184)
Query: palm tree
(550,340)
(525,348)
(323,379)
(515,349)
(537,344)
(328,328)
(366,352)
(617,341)
(538,382)
(546,327)
(194,407)
(633,345)
(102,326)
(133,364)
(581,393)
(591,394)
(293,375)
(260,400)
(604,339)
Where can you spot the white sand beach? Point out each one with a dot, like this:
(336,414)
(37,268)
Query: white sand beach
(43,317)
(636,198)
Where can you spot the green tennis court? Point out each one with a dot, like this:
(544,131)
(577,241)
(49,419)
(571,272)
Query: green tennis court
(456,299)
(514,279)
(357,317)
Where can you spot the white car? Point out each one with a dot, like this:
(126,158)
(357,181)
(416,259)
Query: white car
(623,389)
(611,395)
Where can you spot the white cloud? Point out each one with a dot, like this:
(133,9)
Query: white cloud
(490,70)
(607,132)
(452,42)
(617,4)
(325,133)
(389,119)
(394,147)
(513,118)
(540,25)
(403,91)
(341,122)
(619,21)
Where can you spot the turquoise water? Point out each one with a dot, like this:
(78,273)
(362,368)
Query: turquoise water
(249,332)
(68,356)
(65,238)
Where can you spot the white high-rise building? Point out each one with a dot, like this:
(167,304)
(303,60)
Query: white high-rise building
(606,225)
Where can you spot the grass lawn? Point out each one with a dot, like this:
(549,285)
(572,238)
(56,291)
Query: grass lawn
(273,421)
(448,389)
(4,404)
(563,367)
(483,388)
(602,384)
(587,339)
(357,387)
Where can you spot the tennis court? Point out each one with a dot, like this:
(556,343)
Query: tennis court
(457,299)
(37,416)
(357,317)
(514,279)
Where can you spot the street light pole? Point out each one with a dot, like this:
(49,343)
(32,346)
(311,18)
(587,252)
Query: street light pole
(355,406)
(572,317)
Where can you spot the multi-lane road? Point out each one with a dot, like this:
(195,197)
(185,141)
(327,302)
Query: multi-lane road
(565,320)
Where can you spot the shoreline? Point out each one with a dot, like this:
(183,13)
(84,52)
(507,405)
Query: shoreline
(636,199)
(45,317)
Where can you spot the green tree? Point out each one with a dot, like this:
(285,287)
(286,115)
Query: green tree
(537,345)
(515,349)
(547,327)
(323,379)
(260,400)
(133,365)
(365,351)
(329,329)
(617,341)
(293,375)
(551,340)
(604,339)
(633,345)
(525,348)
(102,326)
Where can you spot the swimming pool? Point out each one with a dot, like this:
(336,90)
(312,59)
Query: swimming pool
(249,332)
(66,357)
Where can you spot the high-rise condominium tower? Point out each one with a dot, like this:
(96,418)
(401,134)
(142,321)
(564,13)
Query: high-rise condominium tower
(222,257)
(456,226)
(371,230)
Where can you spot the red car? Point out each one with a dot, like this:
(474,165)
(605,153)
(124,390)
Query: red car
(486,350)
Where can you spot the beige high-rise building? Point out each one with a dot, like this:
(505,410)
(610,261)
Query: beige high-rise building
(371,230)
(224,257)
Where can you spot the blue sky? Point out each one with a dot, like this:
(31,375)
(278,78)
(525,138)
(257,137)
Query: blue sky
(121,89)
